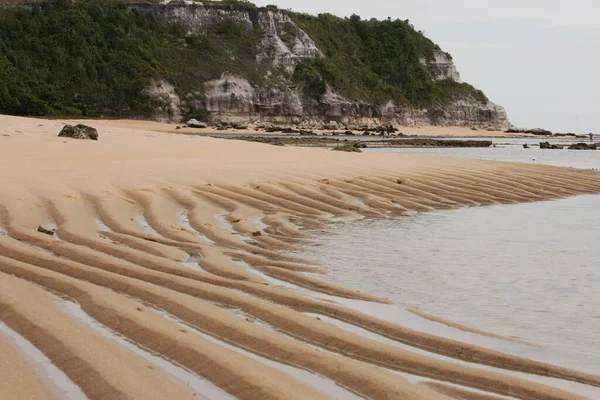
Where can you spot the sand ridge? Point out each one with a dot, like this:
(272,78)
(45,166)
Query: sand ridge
(197,227)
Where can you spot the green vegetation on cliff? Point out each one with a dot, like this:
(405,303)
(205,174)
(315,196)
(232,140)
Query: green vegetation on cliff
(91,57)
(375,61)
(97,57)
(75,59)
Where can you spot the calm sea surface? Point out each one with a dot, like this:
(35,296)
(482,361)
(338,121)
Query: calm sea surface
(530,271)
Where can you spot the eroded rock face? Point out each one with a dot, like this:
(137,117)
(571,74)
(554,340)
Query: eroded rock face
(233,99)
(230,94)
(284,42)
(441,66)
(168,103)
(288,42)
(196,18)
(79,131)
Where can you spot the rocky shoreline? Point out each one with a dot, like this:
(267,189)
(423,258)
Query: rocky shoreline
(340,144)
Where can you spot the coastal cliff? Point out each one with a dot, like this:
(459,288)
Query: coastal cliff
(240,63)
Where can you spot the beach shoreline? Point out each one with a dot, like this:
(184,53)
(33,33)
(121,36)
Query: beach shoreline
(194,227)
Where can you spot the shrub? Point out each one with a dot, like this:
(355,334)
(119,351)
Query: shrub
(96,57)
(375,61)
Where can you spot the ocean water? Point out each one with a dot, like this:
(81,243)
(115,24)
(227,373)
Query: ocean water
(529,271)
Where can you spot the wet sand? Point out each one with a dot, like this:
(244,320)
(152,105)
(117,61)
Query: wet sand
(178,244)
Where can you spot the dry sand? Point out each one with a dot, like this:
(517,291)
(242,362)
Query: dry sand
(197,228)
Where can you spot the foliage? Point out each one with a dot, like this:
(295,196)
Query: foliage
(84,58)
(93,57)
(375,61)
(309,75)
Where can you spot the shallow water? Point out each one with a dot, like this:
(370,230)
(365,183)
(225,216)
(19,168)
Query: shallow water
(512,150)
(325,385)
(529,271)
(60,384)
(199,387)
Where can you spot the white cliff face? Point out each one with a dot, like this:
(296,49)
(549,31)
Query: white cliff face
(474,114)
(197,18)
(231,94)
(231,98)
(168,102)
(284,42)
(441,67)
(288,43)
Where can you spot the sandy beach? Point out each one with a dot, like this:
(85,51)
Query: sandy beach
(178,246)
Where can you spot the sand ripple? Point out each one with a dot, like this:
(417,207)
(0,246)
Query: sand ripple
(200,244)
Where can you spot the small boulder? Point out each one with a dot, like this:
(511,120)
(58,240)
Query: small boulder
(584,146)
(79,131)
(332,126)
(348,147)
(547,145)
(45,231)
(194,123)
(539,131)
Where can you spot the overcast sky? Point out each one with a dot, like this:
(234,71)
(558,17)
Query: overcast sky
(538,58)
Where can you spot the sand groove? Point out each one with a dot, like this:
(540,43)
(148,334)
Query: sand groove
(198,244)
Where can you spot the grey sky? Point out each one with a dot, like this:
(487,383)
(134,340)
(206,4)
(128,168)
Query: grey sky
(539,59)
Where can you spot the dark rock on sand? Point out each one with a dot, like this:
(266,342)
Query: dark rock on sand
(79,131)
(547,145)
(535,131)
(437,143)
(348,147)
(539,131)
(45,231)
(584,146)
